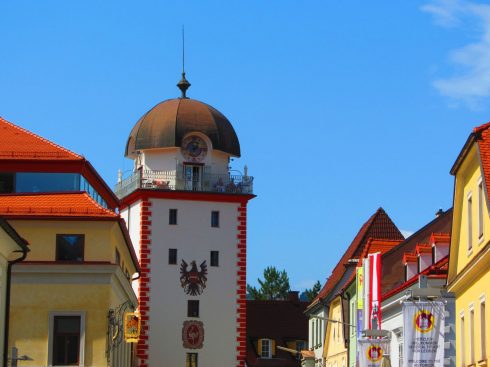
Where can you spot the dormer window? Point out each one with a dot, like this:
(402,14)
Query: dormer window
(266,348)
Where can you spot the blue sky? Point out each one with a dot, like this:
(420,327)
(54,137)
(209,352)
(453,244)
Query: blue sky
(340,107)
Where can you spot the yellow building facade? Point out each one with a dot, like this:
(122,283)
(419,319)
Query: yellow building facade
(335,352)
(469,261)
(63,295)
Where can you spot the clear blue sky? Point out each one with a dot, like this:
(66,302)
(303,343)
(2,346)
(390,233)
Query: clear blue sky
(340,106)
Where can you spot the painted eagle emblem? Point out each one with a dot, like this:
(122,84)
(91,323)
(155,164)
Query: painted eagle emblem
(193,281)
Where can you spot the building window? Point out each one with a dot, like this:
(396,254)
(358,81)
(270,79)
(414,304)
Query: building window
(192,308)
(172,256)
(70,247)
(472,335)
(172,216)
(214,218)
(214,258)
(433,254)
(191,360)
(6,183)
(266,348)
(66,339)
(461,338)
(480,209)
(400,354)
(470,223)
(483,331)
(118,257)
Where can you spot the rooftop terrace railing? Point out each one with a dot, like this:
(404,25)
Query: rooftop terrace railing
(171,180)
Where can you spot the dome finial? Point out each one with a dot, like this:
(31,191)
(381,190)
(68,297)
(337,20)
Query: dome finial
(183,84)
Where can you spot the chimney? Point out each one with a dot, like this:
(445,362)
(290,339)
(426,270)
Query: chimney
(293,296)
(439,213)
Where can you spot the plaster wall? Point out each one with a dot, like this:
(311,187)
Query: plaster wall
(194,239)
(132,216)
(30,308)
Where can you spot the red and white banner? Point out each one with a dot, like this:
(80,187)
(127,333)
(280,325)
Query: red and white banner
(423,334)
(372,352)
(374,301)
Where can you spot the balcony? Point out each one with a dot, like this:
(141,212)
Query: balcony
(190,181)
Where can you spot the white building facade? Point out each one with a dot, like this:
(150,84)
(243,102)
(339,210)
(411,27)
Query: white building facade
(187,216)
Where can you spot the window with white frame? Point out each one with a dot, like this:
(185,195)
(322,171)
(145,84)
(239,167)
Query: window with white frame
(472,334)
(483,331)
(461,338)
(470,221)
(480,209)
(266,348)
(66,341)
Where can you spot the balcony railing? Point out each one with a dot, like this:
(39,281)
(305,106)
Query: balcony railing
(171,180)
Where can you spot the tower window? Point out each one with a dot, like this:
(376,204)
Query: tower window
(118,257)
(192,308)
(214,258)
(172,216)
(215,218)
(191,360)
(172,256)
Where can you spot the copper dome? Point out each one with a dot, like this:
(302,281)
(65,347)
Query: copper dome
(168,122)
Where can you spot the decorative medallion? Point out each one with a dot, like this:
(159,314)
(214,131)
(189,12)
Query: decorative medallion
(424,321)
(194,280)
(374,353)
(192,334)
(194,148)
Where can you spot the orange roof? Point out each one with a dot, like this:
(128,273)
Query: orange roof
(72,204)
(379,226)
(484,147)
(373,245)
(440,238)
(423,248)
(409,258)
(18,143)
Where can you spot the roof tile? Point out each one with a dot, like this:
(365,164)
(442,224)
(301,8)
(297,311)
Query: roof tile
(379,226)
(19,143)
(72,204)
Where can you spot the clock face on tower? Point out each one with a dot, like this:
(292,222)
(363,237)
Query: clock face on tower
(194,148)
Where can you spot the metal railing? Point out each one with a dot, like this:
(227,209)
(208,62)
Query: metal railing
(174,180)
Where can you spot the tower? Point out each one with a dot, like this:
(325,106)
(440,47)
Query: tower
(186,214)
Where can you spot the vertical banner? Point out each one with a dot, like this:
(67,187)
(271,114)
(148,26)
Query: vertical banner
(365,307)
(423,334)
(360,299)
(372,351)
(374,291)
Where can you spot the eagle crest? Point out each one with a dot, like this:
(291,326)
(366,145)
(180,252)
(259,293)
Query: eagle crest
(193,281)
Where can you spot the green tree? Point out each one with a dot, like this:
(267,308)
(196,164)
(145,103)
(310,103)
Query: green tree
(275,285)
(311,293)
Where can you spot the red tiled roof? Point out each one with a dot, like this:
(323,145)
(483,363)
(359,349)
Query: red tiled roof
(423,248)
(373,245)
(440,238)
(378,226)
(437,270)
(409,258)
(19,143)
(393,266)
(71,204)
(484,147)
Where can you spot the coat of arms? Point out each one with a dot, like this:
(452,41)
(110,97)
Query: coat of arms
(193,334)
(193,281)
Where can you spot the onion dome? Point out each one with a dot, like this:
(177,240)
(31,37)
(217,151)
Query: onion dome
(166,124)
